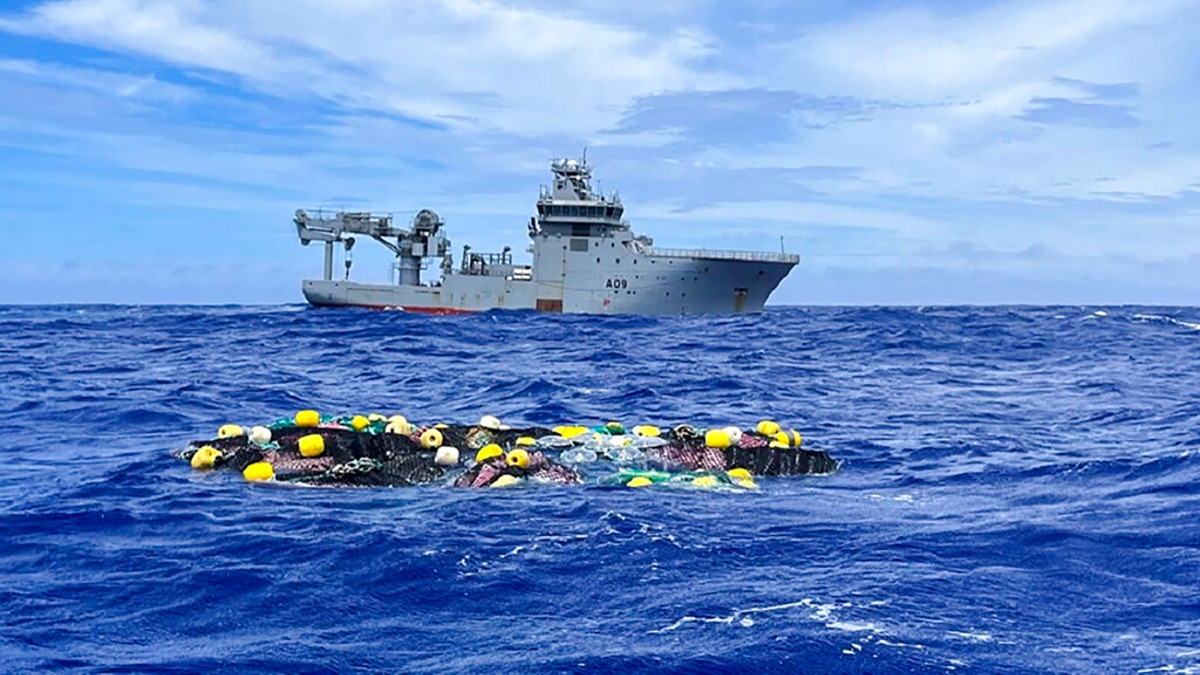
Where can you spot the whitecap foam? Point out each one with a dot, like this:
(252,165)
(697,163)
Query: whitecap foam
(850,626)
(691,619)
(1167,319)
(973,637)
(740,615)
(889,643)
(517,550)
(821,612)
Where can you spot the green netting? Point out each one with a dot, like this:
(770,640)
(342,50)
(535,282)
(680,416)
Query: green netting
(375,456)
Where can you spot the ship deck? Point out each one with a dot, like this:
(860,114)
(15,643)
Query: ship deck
(709,254)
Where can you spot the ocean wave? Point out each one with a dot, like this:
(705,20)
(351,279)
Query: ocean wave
(1015,495)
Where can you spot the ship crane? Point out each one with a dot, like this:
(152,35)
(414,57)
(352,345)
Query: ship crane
(410,245)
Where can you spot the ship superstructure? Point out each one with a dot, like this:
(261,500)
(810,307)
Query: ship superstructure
(586,259)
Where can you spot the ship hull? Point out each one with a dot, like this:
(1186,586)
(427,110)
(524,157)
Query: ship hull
(455,296)
(656,286)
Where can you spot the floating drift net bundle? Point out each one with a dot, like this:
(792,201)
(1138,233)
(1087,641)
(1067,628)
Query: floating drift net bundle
(353,450)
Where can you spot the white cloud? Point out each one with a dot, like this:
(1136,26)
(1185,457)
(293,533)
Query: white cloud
(470,64)
(965,77)
(923,54)
(173,31)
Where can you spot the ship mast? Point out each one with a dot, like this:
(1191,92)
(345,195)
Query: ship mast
(569,206)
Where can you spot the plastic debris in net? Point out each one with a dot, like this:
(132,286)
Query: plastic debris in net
(353,450)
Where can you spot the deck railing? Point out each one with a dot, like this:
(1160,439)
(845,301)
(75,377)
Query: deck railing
(750,256)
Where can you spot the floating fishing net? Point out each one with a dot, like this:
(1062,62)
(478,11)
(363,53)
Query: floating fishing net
(355,451)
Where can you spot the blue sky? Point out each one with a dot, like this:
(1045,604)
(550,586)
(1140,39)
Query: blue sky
(912,152)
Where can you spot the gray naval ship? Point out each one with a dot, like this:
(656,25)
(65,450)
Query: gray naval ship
(586,259)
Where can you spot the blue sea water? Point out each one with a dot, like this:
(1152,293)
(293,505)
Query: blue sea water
(1019,492)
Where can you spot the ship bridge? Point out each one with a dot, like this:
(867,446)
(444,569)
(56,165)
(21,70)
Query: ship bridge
(570,206)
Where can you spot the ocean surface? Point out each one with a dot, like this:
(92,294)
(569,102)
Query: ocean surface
(1019,492)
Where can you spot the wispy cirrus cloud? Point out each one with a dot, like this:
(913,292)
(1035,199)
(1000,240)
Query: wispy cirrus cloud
(1095,106)
(933,51)
(473,64)
(996,69)
(1053,110)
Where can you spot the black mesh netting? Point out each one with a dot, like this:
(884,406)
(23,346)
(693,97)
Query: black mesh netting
(374,457)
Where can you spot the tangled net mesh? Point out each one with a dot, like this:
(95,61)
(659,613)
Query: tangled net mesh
(381,452)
